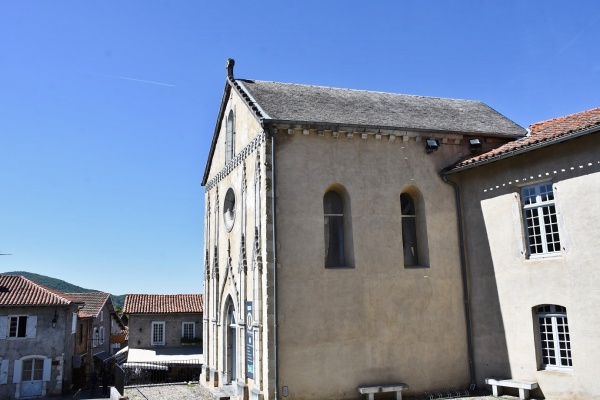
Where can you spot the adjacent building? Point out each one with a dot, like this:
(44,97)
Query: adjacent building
(332,243)
(164,328)
(531,217)
(37,338)
(97,322)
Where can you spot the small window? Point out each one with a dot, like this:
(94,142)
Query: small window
(541,224)
(230,137)
(158,333)
(188,330)
(333,208)
(554,337)
(229,209)
(18,326)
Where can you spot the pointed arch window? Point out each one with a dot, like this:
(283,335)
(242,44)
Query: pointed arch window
(230,137)
(409,231)
(333,208)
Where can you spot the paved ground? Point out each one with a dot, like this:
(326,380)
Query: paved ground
(197,392)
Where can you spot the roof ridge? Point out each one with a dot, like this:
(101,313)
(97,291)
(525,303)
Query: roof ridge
(357,90)
(565,117)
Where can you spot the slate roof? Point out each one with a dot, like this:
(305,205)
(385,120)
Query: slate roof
(540,134)
(318,104)
(93,303)
(16,290)
(163,303)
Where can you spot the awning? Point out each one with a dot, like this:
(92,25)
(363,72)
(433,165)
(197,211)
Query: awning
(102,356)
(166,356)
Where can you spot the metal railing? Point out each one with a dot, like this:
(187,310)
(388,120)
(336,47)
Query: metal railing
(144,373)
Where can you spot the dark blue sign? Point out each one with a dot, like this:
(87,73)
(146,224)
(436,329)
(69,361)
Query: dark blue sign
(249,340)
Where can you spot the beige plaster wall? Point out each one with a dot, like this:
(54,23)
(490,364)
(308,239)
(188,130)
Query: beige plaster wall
(377,322)
(507,285)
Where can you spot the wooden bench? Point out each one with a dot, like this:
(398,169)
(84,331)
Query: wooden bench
(371,390)
(523,386)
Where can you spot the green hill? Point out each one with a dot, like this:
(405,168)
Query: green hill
(62,286)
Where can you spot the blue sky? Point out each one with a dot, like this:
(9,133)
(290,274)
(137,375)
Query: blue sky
(107,108)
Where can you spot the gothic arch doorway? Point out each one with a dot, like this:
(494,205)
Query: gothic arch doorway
(230,342)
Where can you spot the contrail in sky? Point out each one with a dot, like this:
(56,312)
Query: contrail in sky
(131,79)
(577,36)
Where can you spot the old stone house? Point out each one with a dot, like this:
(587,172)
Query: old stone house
(164,328)
(37,337)
(97,322)
(332,251)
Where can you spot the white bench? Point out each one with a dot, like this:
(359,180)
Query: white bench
(371,390)
(523,386)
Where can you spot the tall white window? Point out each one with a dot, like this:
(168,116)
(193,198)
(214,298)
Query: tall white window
(158,333)
(555,340)
(188,330)
(539,211)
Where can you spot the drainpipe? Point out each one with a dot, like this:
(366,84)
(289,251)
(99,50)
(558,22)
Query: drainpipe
(274,238)
(464,274)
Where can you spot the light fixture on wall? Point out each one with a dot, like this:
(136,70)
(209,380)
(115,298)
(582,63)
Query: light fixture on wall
(139,342)
(54,320)
(431,145)
(140,329)
(475,144)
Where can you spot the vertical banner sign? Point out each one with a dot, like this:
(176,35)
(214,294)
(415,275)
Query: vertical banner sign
(249,340)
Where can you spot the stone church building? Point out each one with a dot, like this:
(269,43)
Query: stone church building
(335,251)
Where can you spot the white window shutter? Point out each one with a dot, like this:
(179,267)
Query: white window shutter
(31,326)
(3,326)
(47,366)
(17,371)
(3,372)
(74,323)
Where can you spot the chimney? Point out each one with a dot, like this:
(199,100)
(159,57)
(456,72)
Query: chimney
(230,64)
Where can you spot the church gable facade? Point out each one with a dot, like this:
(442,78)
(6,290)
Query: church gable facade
(332,258)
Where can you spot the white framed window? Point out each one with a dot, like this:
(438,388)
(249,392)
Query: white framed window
(554,337)
(541,224)
(158,333)
(188,330)
(17,326)
(33,370)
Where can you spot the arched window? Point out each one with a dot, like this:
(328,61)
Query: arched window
(554,338)
(409,231)
(333,209)
(230,137)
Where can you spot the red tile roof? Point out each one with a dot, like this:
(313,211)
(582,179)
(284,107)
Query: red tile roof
(16,290)
(163,303)
(94,301)
(540,133)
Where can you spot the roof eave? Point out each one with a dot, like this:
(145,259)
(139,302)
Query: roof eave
(394,128)
(526,149)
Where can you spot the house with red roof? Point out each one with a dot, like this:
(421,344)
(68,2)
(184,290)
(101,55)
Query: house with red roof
(531,214)
(97,323)
(37,338)
(165,330)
